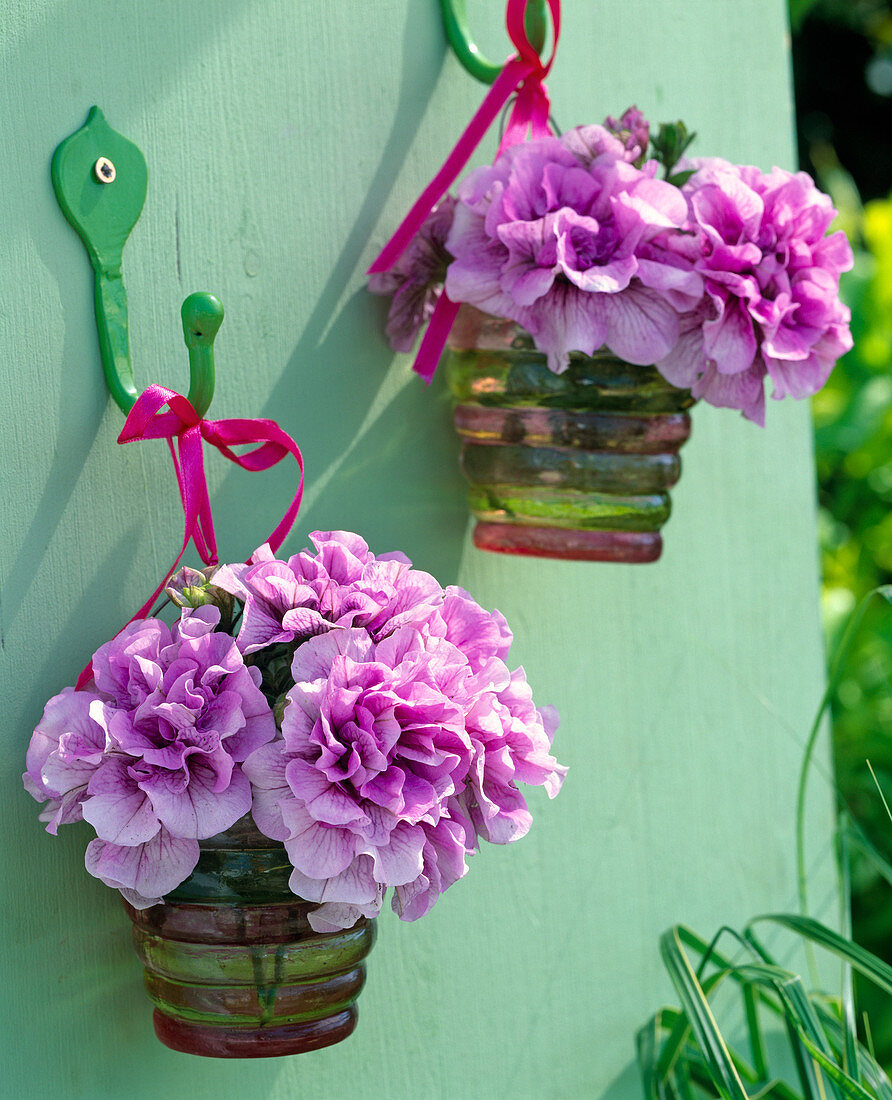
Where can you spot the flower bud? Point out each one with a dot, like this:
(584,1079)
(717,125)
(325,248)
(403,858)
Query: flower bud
(192,588)
(633,130)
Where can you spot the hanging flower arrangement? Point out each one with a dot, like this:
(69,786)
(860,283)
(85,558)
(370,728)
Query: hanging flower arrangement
(363,715)
(639,280)
(309,736)
(722,276)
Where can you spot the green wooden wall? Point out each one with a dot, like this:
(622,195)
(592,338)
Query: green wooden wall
(284,139)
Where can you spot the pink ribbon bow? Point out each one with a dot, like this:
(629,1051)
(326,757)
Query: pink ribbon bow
(182,425)
(525,73)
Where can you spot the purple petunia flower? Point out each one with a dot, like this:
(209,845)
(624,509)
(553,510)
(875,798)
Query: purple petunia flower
(403,734)
(65,749)
(150,754)
(395,756)
(416,279)
(720,283)
(567,238)
(771,276)
(342,585)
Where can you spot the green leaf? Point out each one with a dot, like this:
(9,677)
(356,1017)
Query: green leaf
(845,1085)
(678,179)
(647,1044)
(836,667)
(863,961)
(803,1020)
(869,1069)
(669,144)
(702,1021)
(757,1046)
(673,1045)
(850,1054)
(681,1050)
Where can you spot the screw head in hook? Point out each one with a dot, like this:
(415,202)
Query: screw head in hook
(104,170)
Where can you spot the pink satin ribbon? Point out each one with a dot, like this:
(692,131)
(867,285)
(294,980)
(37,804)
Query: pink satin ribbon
(525,73)
(530,112)
(186,432)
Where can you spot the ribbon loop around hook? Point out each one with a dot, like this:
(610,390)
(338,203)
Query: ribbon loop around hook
(515,21)
(533,17)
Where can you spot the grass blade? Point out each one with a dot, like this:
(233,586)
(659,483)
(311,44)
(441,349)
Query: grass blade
(804,1020)
(850,1055)
(754,1030)
(862,960)
(647,1043)
(681,1051)
(871,1073)
(673,1045)
(836,668)
(702,1021)
(844,1084)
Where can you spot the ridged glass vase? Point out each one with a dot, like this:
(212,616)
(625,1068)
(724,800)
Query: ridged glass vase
(576,465)
(233,967)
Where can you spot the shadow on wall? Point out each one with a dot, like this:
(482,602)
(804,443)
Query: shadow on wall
(626,1085)
(34,114)
(379,447)
(80,410)
(380,452)
(52,676)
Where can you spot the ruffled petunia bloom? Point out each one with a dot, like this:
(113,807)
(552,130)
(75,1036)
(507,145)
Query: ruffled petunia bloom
(403,735)
(577,245)
(771,289)
(395,757)
(150,753)
(65,749)
(342,585)
(722,281)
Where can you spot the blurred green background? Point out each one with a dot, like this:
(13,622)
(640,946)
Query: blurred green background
(842,56)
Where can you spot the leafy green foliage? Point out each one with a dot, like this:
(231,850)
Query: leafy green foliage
(853,441)
(799,9)
(840,48)
(869,17)
(683,1053)
(669,146)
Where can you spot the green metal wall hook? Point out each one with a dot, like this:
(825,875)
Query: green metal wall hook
(466,50)
(100,179)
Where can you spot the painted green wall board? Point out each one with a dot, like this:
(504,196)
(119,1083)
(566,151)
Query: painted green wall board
(284,140)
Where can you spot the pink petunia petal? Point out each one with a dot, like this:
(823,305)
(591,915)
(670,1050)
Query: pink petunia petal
(151,870)
(355,885)
(640,325)
(321,851)
(729,340)
(116,807)
(198,810)
(400,861)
